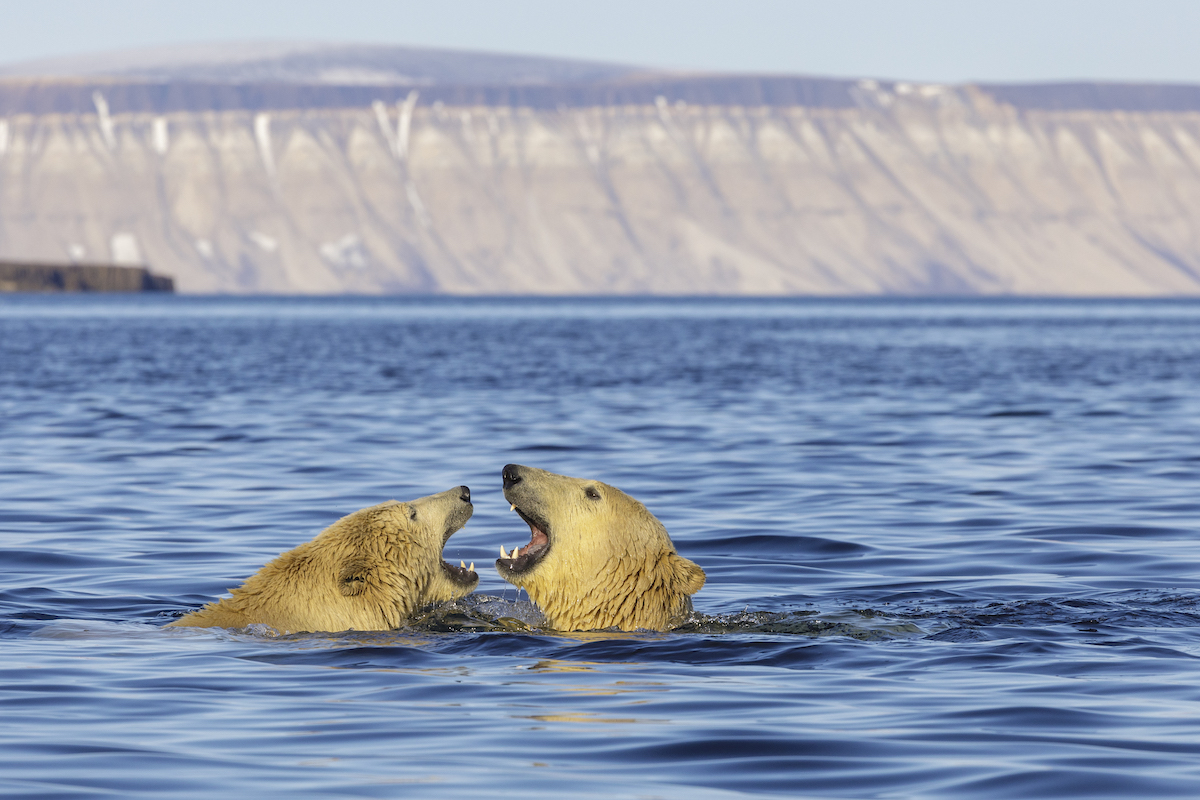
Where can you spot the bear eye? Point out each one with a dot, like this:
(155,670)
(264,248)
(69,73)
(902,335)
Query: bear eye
(591,493)
(412,513)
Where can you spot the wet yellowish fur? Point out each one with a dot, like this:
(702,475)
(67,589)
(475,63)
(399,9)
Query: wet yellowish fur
(368,571)
(610,562)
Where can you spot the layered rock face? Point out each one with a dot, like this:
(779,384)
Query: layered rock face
(80,278)
(686,187)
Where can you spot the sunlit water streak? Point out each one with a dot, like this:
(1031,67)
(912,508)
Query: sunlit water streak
(951,546)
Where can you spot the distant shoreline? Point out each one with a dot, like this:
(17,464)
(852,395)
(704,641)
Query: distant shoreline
(35,277)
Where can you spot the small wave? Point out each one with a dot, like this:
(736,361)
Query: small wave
(865,624)
(484,613)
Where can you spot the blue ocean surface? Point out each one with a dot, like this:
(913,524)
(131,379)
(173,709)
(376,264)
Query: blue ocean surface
(951,546)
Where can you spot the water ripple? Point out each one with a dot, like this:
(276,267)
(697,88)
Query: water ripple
(948,546)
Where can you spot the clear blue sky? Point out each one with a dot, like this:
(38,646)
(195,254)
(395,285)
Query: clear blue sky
(935,40)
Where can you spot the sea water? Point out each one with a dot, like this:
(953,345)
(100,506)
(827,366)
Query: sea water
(951,546)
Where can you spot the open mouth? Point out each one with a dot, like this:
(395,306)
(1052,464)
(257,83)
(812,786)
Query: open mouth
(525,558)
(461,575)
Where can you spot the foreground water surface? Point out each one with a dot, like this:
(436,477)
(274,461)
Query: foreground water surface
(950,546)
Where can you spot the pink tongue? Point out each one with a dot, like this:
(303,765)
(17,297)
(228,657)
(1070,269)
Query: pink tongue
(537,539)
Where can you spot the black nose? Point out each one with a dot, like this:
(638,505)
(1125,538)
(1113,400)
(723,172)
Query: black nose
(511,475)
(464,493)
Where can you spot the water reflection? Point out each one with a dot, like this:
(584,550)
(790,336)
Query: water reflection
(593,719)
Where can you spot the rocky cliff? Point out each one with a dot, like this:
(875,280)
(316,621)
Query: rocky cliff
(617,183)
(80,278)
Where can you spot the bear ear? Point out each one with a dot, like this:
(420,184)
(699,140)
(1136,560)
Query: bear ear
(352,578)
(689,578)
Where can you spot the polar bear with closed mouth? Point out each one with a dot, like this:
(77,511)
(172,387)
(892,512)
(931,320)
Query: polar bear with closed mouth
(596,557)
(367,572)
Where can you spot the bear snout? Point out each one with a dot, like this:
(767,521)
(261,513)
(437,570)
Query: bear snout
(511,475)
(464,493)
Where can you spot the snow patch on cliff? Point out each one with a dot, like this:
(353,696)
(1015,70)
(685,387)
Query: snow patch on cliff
(345,253)
(125,250)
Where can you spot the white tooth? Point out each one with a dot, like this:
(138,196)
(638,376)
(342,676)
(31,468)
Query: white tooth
(503,554)
(461,565)
(513,507)
(472,567)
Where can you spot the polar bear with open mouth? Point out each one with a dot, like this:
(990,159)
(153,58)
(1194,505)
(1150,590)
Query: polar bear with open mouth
(596,557)
(366,572)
